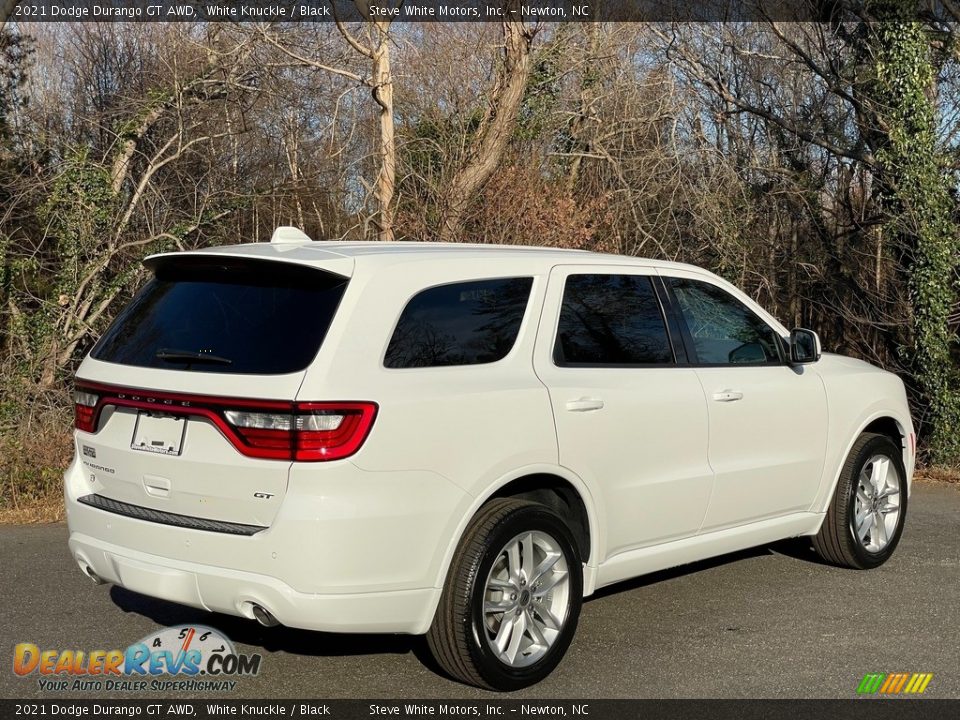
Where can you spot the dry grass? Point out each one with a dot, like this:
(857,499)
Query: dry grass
(44,510)
(939,475)
(33,456)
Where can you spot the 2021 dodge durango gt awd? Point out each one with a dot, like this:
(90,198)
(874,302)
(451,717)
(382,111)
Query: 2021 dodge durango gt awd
(462,441)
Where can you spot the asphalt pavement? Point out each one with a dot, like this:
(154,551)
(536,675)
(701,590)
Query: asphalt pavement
(767,623)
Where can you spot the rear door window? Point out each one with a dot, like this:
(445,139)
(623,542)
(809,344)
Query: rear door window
(465,323)
(225,315)
(611,320)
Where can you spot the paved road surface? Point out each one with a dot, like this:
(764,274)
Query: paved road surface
(766,623)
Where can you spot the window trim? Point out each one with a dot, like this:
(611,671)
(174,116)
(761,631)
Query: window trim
(556,352)
(516,341)
(687,338)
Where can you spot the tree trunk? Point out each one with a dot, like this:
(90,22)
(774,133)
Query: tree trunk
(585,122)
(486,149)
(382,82)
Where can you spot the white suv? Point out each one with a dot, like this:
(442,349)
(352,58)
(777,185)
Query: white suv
(462,440)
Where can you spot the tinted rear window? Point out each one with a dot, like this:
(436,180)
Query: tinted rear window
(225,315)
(611,320)
(466,323)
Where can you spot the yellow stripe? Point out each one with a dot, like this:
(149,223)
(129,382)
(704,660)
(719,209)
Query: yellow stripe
(912,684)
(888,682)
(926,681)
(903,679)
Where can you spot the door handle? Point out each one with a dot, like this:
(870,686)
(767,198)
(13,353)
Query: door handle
(584,405)
(727,396)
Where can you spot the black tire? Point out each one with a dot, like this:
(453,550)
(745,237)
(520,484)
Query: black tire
(837,542)
(457,637)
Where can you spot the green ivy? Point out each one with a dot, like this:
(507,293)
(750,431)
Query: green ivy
(916,195)
(78,215)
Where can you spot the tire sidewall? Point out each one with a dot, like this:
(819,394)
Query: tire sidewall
(876,446)
(493,671)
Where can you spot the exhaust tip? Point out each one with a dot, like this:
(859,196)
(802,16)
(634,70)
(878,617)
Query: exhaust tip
(97,580)
(264,616)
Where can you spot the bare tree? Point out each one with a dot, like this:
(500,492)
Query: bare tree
(374,48)
(493,134)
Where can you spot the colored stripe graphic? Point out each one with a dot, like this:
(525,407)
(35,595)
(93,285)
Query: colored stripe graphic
(901,681)
(870,683)
(890,681)
(914,683)
(894,683)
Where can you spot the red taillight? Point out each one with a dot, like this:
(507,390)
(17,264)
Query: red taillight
(85,410)
(270,429)
(329,431)
(313,431)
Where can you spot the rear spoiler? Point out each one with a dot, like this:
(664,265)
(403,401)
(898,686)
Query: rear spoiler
(303,256)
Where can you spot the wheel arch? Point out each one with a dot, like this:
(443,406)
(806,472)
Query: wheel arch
(558,495)
(554,486)
(882,422)
(888,426)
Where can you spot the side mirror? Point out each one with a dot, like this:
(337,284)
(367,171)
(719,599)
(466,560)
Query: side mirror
(804,346)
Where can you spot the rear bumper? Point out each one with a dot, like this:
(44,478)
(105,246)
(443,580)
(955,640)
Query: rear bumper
(235,592)
(348,551)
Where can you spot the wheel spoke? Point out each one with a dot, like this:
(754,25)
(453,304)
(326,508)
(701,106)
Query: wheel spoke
(497,607)
(549,619)
(889,508)
(504,633)
(881,527)
(889,491)
(863,525)
(534,629)
(878,476)
(528,559)
(545,566)
(513,560)
(498,584)
(519,627)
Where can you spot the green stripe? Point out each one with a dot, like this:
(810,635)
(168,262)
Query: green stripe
(871,683)
(878,683)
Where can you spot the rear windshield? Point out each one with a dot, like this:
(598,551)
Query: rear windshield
(225,315)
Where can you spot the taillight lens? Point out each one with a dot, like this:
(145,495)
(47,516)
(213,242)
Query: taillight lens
(314,431)
(271,429)
(329,432)
(84,410)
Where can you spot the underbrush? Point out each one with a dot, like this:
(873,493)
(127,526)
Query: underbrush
(35,448)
